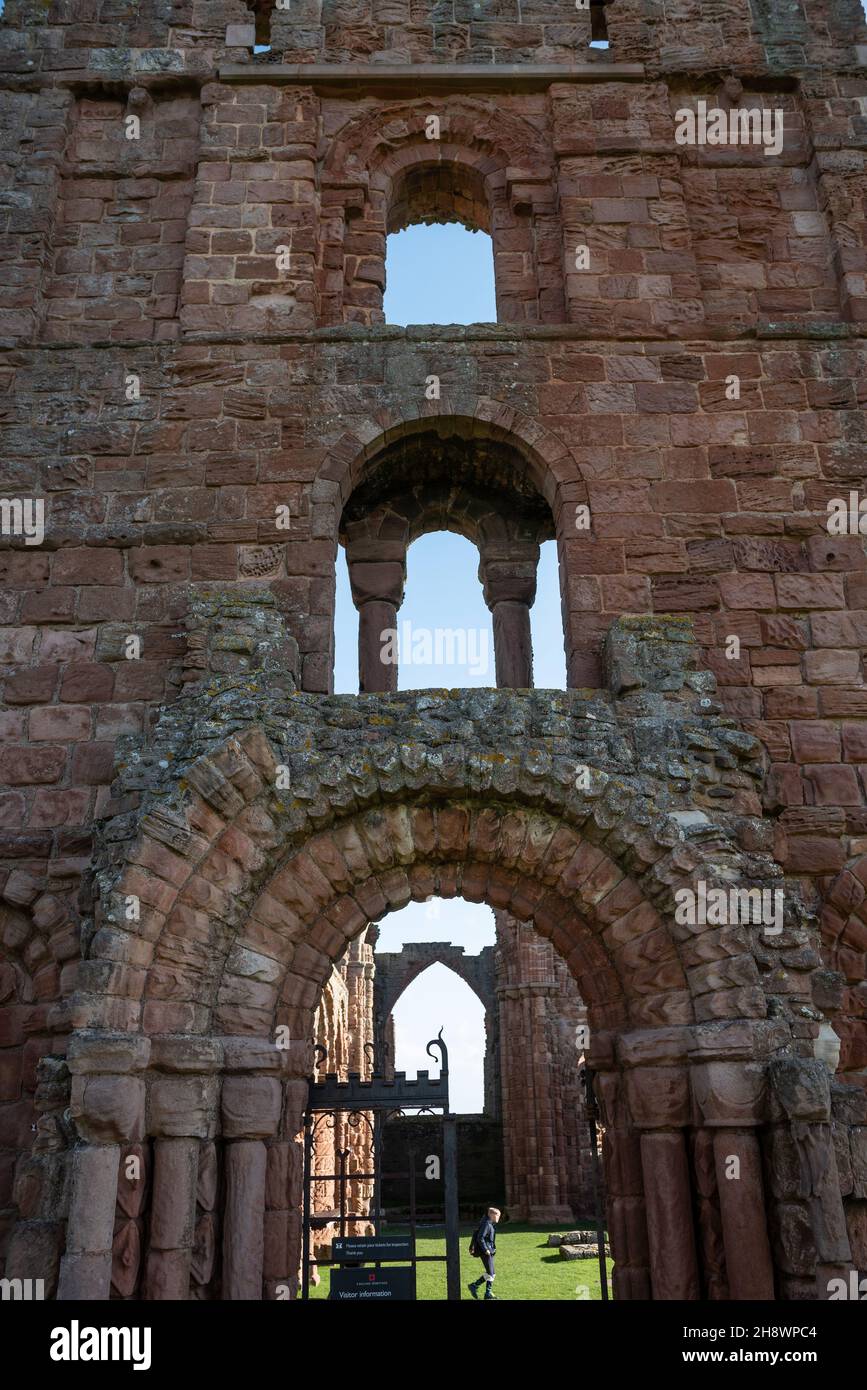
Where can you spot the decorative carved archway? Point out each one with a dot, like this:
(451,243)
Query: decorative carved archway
(274,827)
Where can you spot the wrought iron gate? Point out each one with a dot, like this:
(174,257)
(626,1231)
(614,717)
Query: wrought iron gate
(368,1105)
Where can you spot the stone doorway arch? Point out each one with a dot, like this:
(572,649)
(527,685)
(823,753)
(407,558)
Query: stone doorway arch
(274,827)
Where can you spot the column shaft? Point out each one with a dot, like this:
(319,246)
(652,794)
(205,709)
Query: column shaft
(376,676)
(85,1270)
(244,1228)
(673,1267)
(173,1218)
(745,1235)
(513,646)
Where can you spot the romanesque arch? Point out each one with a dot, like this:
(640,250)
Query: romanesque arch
(476,487)
(501,481)
(388,168)
(275,831)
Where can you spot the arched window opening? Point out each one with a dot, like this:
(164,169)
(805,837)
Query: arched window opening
(464,620)
(546,623)
(439,251)
(262,11)
(437,995)
(430,996)
(345,631)
(444,631)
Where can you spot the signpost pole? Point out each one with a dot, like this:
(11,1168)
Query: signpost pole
(450,1185)
(412,1217)
(341,1181)
(377,1172)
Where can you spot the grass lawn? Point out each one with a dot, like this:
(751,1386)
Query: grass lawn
(527,1268)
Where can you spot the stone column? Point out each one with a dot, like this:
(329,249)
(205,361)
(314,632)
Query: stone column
(527,991)
(251,1106)
(513,645)
(711,1247)
(627,1212)
(749,1265)
(728,1079)
(377,663)
(244,1230)
(533,1185)
(668,1204)
(85,1269)
(624,1183)
(108,1107)
(657,1088)
(284,1195)
(377,592)
(173,1219)
(184,1114)
(508,576)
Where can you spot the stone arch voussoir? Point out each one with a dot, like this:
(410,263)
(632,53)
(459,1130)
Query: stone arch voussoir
(241,889)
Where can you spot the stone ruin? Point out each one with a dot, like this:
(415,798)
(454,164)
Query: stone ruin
(200,390)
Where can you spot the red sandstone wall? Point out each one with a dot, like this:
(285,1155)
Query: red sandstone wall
(157,261)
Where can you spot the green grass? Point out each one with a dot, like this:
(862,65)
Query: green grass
(527,1269)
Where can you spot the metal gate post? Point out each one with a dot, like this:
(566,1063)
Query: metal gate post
(305,1223)
(450,1185)
(591,1107)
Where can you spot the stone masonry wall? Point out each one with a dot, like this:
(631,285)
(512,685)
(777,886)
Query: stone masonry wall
(195,379)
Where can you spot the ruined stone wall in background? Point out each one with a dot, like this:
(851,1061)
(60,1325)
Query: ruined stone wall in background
(344,1029)
(549,1176)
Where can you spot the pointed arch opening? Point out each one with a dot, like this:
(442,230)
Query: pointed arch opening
(436,998)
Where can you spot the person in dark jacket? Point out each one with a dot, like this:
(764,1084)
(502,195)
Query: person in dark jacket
(486,1244)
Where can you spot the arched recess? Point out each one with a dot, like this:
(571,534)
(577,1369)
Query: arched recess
(194,1021)
(487,170)
(376,492)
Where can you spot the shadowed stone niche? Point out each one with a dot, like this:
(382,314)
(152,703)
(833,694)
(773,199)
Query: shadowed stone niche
(261,831)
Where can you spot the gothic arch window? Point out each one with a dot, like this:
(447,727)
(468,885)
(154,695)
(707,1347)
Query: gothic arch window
(434,993)
(434,969)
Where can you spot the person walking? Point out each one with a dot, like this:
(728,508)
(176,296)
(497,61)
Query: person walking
(485,1245)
